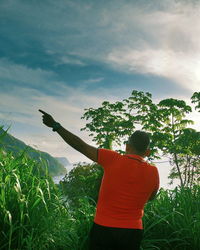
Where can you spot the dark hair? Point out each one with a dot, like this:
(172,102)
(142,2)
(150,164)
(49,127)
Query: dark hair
(139,140)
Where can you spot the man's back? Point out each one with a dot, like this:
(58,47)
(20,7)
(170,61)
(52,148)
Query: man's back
(127,185)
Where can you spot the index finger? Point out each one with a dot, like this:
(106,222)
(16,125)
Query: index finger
(43,112)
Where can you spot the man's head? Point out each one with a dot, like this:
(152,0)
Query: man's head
(138,143)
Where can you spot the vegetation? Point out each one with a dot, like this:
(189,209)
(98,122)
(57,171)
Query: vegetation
(37,214)
(165,122)
(172,221)
(31,211)
(11,144)
(82,181)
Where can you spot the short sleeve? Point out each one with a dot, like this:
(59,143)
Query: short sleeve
(106,157)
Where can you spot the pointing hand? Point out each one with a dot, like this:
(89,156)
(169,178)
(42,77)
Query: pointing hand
(47,119)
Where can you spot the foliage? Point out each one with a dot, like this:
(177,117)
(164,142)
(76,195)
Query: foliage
(11,144)
(82,181)
(188,157)
(34,213)
(31,212)
(196,99)
(172,117)
(108,123)
(165,122)
(172,221)
(141,110)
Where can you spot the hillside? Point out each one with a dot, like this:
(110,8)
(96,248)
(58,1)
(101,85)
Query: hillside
(16,146)
(63,160)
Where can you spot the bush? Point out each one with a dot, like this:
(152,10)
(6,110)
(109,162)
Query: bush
(82,181)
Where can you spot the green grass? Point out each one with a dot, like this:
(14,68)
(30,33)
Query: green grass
(172,221)
(34,215)
(30,206)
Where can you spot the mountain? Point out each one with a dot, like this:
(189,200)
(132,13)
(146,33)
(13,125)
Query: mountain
(64,161)
(11,144)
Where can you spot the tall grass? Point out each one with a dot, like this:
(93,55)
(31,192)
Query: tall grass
(172,221)
(31,212)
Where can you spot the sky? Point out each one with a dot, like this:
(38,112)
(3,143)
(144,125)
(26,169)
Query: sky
(64,56)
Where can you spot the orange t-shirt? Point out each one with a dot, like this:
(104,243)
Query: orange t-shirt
(126,186)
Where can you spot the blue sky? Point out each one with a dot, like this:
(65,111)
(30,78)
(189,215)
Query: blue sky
(63,56)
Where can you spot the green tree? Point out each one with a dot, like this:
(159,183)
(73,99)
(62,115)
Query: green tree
(165,122)
(114,123)
(171,114)
(196,99)
(108,124)
(82,181)
(141,110)
(188,157)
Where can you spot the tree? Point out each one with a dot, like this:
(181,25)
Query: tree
(108,124)
(196,99)
(188,157)
(83,180)
(141,110)
(165,122)
(172,114)
(114,123)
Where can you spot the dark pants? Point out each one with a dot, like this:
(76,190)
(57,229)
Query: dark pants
(112,238)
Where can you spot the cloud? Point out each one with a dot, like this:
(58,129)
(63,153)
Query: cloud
(66,59)
(21,74)
(178,66)
(23,103)
(169,48)
(129,37)
(121,34)
(27,90)
(94,80)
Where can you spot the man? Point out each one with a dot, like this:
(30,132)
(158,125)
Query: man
(128,183)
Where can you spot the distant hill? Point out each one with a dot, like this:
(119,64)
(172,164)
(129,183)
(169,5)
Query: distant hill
(11,144)
(63,160)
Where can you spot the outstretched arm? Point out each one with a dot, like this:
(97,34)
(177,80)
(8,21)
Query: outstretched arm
(71,139)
